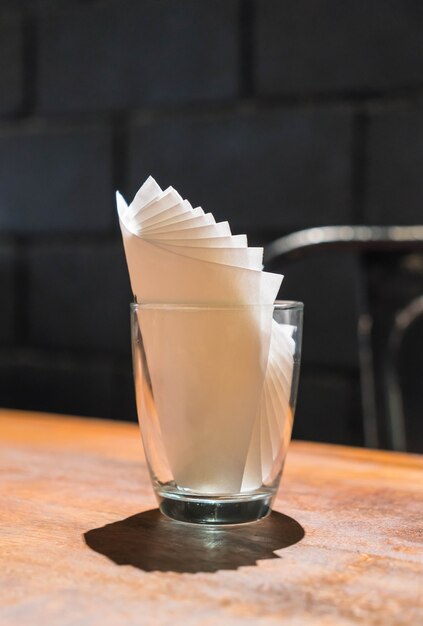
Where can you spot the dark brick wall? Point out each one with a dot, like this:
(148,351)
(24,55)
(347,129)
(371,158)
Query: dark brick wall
(55,179)
(276,115)
(325,46)
(394,168)
(116,55)
(251,167)
(11,63)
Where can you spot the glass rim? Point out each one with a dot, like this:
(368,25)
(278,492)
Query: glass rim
(278,305)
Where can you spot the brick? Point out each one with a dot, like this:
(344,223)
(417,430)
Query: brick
(7,289)
(328,284)
(328,408)
(48,5)
(56,181)
(113,55)
(395,163)
(269,171)
(11,79)
(53,383)
(79,297)
(328,46)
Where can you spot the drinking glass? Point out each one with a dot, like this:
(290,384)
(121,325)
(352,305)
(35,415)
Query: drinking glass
(216,389)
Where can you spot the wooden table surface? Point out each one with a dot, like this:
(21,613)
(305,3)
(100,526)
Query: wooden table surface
(82,543)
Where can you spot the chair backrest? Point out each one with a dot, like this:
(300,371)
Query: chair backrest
(387,308)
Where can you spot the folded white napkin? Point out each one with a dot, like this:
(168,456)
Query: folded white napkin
(221,377)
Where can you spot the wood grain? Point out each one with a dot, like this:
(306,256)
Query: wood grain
(81,542)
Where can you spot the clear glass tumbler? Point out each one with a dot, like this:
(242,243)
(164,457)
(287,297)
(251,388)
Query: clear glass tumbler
(216,388)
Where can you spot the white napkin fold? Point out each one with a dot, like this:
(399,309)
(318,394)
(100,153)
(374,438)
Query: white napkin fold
(221,378)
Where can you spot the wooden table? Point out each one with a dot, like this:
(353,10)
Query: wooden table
(81,542)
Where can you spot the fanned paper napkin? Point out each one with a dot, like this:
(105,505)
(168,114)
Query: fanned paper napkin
(222,406)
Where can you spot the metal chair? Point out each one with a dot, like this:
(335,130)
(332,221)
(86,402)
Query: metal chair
(382,322)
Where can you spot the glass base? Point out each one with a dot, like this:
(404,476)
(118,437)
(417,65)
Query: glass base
(219,511)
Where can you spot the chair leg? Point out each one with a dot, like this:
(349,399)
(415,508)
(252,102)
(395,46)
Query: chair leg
(367,381)
(394,399)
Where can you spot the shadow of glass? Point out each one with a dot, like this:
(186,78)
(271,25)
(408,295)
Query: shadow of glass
(152,542)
